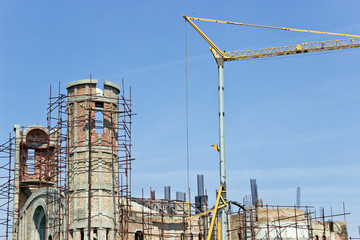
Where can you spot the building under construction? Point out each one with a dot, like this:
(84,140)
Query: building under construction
(71,180)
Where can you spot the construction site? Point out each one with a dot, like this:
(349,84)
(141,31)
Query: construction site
(71,179)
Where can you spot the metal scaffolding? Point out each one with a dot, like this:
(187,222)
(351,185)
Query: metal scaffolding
(80,167)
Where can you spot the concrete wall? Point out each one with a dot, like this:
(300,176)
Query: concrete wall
(330,230)
(164,226)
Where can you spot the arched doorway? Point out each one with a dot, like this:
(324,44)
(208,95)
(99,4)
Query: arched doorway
(39,220)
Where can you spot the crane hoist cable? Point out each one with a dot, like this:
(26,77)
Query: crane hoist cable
(187,133)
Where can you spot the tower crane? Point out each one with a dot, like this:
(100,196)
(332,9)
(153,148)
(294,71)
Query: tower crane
(222,56)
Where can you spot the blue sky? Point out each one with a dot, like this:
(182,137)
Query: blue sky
(290,121)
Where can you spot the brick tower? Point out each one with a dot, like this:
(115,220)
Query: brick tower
(92,159)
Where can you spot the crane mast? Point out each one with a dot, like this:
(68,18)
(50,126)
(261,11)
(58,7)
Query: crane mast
(222,56)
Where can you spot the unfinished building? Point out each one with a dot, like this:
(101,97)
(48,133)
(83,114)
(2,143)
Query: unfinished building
(71,180)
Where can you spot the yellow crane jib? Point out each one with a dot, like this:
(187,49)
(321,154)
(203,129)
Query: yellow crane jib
(294,49)
(277,51)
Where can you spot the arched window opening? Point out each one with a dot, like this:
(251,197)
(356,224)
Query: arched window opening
(323,237)
(316,237)
(39,220)
(139,235)
(36,156)
(36,138)
(191,237)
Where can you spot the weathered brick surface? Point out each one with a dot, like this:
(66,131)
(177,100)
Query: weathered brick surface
(93,156)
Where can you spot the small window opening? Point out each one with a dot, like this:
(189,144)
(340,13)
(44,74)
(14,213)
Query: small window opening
(324,237)
(107,234)
(239,236)
(200,236)
(139,235)
(30,163)
(82,235)
(95,236)
(99,118)
(99,105)
(182,236)
(191,236)
(316,237)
